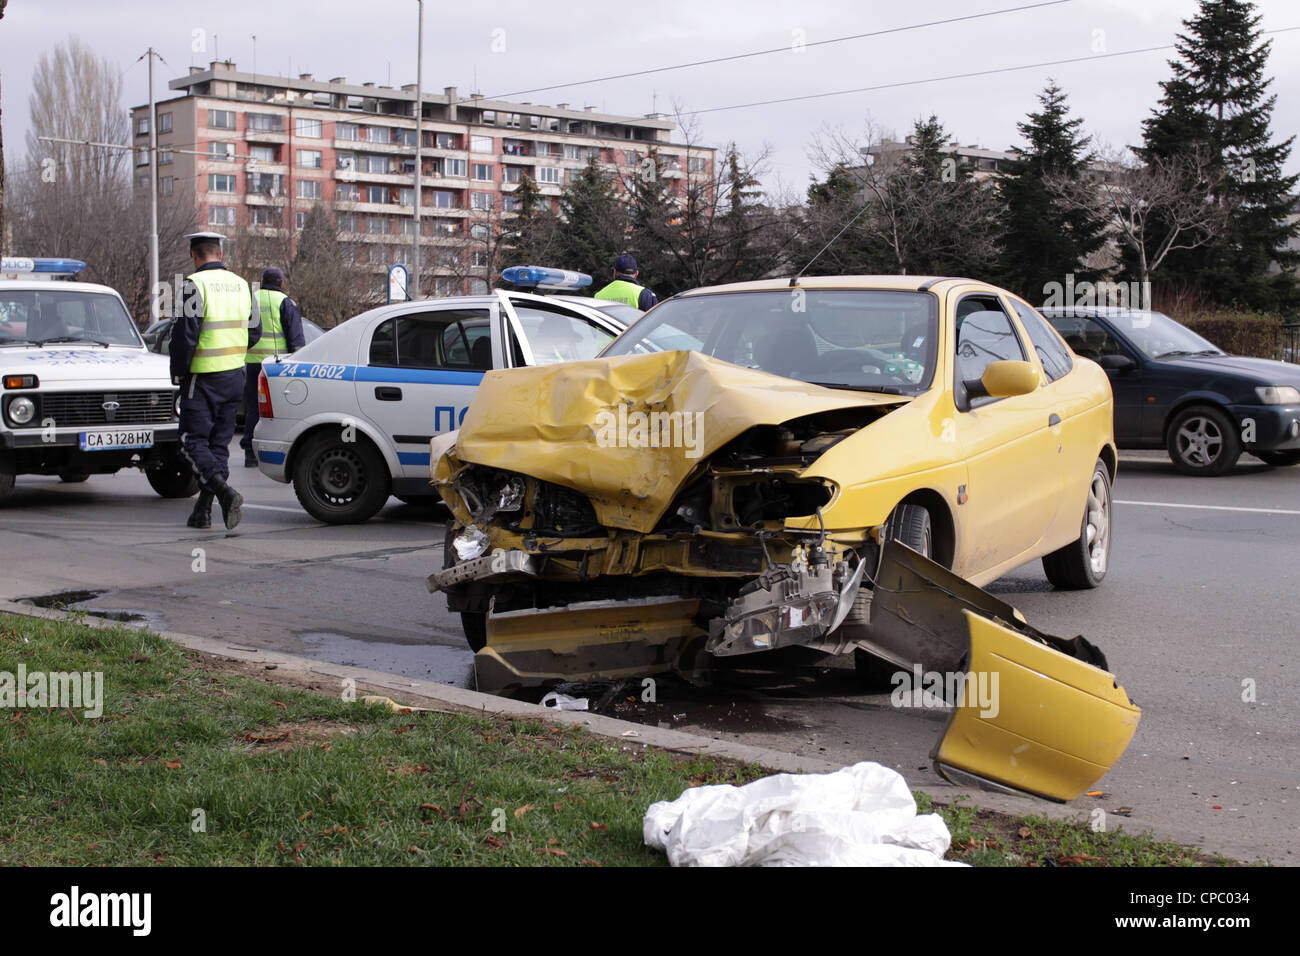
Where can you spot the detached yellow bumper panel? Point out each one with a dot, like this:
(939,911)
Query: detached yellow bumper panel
(1032,718)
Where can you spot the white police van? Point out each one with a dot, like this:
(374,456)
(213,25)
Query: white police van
(348,418)
(81,394)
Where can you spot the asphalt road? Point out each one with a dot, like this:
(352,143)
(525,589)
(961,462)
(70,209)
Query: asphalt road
(1197,617)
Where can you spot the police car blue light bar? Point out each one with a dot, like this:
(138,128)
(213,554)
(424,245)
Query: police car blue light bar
(19,265)
(542,278)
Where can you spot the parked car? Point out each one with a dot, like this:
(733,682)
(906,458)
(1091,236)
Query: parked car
(348,418)
(1176,390)
(81,394)
(836,464)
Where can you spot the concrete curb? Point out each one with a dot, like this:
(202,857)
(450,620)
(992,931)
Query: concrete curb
(448,699)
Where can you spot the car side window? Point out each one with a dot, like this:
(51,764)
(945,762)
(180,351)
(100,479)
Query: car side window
(1051,350)
(559,336)
(445,338)
(1087,337)
(984,336)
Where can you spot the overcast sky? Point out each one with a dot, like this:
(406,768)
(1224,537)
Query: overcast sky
(499,47)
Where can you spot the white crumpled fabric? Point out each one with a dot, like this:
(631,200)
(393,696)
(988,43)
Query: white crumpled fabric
(863,815)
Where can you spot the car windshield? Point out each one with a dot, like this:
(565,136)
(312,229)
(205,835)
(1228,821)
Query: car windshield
(1158,336)
(873,340)
(64,315)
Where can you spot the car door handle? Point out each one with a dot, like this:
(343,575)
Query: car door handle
(1053,420)
(388,393)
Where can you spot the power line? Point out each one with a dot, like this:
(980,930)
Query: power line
(782,49)
(951,76)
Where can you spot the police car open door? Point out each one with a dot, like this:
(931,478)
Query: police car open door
(545,331)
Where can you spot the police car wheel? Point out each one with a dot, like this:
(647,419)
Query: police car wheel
(340,482)
(173,478)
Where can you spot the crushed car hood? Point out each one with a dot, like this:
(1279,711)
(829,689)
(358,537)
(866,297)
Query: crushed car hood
(555,423)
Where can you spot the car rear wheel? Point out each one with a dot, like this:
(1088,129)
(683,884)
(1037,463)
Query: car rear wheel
(340,482)
(911,525)
(1279,459)
(1083,563)
(173,477)
(1202,440)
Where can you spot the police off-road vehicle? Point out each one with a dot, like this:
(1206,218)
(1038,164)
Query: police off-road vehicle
(81,394)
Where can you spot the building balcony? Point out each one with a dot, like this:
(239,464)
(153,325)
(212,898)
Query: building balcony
(261,136)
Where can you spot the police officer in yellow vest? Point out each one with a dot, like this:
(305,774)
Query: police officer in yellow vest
(625,288)
(281,333)
(217,322)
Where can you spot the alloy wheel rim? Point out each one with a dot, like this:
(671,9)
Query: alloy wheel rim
(1199,441)
(1098,527)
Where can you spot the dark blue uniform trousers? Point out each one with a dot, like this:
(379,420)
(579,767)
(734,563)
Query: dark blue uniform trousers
(250,404)
(209,402)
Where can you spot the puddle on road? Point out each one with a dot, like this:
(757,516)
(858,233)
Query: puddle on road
(433,662)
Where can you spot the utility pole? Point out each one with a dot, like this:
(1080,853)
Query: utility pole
(153,182)
(419,147)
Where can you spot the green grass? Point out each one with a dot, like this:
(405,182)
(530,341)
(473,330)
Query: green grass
(191,764)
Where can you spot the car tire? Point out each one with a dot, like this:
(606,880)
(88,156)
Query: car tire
(911,525)
(1083,563)
(173,477)
(1279,459)
(1202,440)
(340,482)
(474,623)
(73,477)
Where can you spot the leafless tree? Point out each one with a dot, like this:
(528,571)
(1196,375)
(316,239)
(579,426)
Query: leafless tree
(1153,208)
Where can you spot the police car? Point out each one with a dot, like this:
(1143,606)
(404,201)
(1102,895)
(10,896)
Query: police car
(348,418)
(81,394)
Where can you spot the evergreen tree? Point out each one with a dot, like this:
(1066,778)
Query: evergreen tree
(532,235)
(1218,101)
(594,232)
(655,226)
(1042,240)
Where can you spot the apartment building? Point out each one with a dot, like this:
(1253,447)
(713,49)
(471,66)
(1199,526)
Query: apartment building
(983,163)
(256,152)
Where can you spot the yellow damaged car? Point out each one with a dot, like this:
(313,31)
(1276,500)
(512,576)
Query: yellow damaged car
(834,462)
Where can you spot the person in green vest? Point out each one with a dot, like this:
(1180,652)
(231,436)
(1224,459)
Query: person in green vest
(281,333)
(217,321)
(625,288)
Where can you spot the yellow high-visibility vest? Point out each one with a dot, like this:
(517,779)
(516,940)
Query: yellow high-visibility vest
(272,340)
(223,333)
(620,290)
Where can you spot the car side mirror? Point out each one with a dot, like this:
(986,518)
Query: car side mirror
(1116,363)
(1003,380)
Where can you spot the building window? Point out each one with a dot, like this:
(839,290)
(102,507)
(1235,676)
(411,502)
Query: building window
(512,174)
(377,225)
(220,183)
(368,163)
(402,137)
(299,219)
(572,152)
(455,167)
(695,164)
(512,120)
(267,122)
(480,258)
(142,126)
(261,216)
(166,157)
(348,131)
(376,194)
(442,199)
(480,230)
(483,172)
(309,189)
(347,222)
(406,197)
(481,201)
(509,204)
(309,158)
(347,192)
(164,122)
(447,141)
(166,185)
(480,144)
(309,128)
(267,184)
(449,227)
(221,152)
(221,215)
(142,157)
(548,174)
(345,161)
(632,157)
(221,119)
(407,227)
(442,286)
(262,154)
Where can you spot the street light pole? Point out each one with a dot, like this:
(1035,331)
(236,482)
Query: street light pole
(419,147)
(153,187)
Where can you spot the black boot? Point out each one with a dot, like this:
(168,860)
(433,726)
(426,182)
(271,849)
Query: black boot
(201,516)
(250,460)
(229,499)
